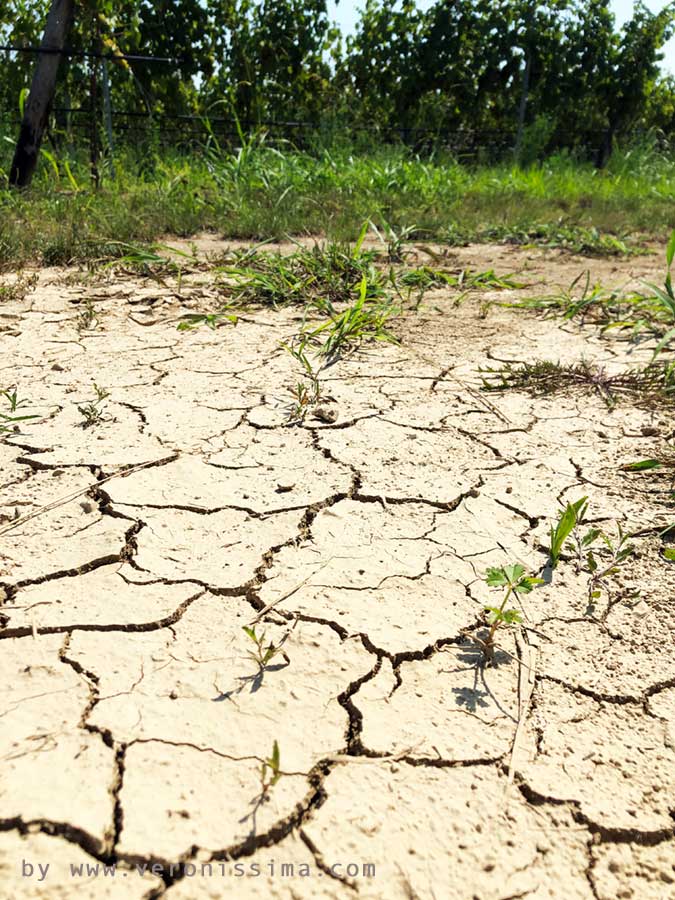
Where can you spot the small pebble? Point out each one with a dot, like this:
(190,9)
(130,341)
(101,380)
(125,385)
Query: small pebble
(325,414)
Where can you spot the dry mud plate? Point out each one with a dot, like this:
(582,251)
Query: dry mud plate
(133,721)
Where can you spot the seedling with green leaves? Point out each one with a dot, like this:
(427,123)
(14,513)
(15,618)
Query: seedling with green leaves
(364,320)
(190,321)
(270,771)
(9,422)
(596,553)
(87,317)
(262,655)
(395,240)
(305,394)
(560,532)
(592,549)
(606,562)
(92,412)
(665,296)
(12,397)
(513,580)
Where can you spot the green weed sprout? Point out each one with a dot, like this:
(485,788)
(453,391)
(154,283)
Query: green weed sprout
(362,321)
(261,655)
(560,532)
(605,560)
(666,296)
(305,395)
(270,771)
(395,240)
(92,412)
(87,318)
(12,398)
(190,321)
(642,465)
(8,422)
(601,570)
(513,580)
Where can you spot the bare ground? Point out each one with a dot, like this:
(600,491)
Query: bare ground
(133,724)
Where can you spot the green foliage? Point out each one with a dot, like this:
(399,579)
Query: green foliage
(305,394)
(653,312)
(597,554)
(560,532)
(12,397)
(9,421)
(512,579)
(92,411)
(325,274)
(190,321)
(363,320)
(642,465)
(293,193)
(270,771)
(450,67)
(601,567)
(262,655)
(665,297)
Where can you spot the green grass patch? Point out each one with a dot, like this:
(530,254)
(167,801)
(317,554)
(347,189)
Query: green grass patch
(265,193)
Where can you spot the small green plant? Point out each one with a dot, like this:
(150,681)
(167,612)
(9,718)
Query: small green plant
(305,395)
(141,261)
(465,279)
(606,562)
(92,412)
(322,275)
(17,289)
(555,236)
(8,422)
(512,580)
(642,465)
(665,295)
(395,240)
(595,552)
(270,771)
(261,655)
(346,330)
(190,321)
(12,397)
(87,317)
(639,312)
(560,532)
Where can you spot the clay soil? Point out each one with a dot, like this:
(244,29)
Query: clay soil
(133,722)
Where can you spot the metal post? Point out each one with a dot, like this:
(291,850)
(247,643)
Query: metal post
(93,121)
(523,105)
(107,107)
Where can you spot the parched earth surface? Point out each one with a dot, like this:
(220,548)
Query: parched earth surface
(133,721)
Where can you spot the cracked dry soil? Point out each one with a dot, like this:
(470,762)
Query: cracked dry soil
(132,722)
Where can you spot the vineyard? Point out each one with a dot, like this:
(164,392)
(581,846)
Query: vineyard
(337,448)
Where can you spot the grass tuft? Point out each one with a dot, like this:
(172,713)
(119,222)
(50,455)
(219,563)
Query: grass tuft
(648,385)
